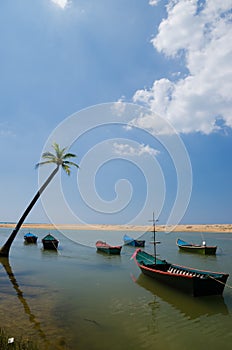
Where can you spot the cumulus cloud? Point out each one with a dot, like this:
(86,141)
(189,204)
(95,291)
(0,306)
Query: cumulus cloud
(124,149)
(199,34)
(61,3)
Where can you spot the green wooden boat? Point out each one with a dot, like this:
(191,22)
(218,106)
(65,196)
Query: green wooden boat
(50,242)
(196,248)
(103,247)
(189,280)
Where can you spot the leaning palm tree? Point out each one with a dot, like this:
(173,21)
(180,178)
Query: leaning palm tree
(60,160)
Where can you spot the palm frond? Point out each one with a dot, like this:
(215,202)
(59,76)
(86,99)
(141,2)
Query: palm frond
(55,146)
(45,162)
(48,155)
(59,152)
(66,169)
(66,162)
(69,155)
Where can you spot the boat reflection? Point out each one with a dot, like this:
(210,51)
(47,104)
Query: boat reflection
(36,324)
(187,305)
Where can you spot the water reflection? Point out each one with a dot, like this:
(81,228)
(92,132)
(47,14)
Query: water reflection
(108,256)
(36,324)
(50,253)
(187,305)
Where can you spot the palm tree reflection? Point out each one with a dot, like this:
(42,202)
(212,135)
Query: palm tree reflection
(36,324)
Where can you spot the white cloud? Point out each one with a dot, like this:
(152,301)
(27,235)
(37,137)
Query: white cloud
(124,149)
(61,3)
(153,2)
(119,107)
(199,33)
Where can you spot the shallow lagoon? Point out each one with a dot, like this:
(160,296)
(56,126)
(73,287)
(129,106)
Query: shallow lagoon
(80,299)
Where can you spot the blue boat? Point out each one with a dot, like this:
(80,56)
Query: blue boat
(133,242)
(30,238)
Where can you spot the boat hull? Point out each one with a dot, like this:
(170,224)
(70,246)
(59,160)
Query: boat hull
(199,250)
(188,280)
(50,242)
(103,247)
(194,248)
(30,238)
(113,251)
(193,286)
(133,242)
(53,245)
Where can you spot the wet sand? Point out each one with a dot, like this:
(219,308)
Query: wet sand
(162,228)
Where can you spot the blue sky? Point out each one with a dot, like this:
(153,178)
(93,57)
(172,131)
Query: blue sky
(172,58)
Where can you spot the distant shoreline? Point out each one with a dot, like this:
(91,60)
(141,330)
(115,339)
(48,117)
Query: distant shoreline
(225,228)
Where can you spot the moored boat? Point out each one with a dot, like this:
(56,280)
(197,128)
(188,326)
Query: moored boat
(107,248)
(133,242)
(50,242)
(196,248)
(189,280)
(30,238)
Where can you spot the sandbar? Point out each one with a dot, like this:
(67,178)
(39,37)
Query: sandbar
(225,228)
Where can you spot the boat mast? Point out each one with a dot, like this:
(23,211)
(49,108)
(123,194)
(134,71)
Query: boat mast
(154,220)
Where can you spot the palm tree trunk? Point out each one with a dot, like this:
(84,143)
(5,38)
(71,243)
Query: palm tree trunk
(4,251)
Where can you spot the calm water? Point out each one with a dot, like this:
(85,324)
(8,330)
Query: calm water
(79,299)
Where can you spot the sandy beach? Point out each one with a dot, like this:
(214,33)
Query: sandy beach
(162,228)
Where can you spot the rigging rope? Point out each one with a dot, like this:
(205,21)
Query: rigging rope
(226,285)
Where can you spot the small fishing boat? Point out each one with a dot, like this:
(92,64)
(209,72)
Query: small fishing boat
(50,242)
(107,248)
(133,242)
(192,281)
(196,248)
(30,238)
(189,280)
